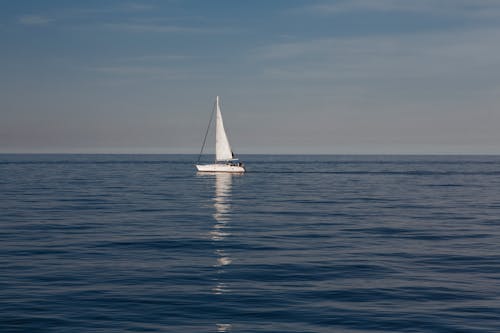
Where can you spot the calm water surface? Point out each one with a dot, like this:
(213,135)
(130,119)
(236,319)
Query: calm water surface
(141,243)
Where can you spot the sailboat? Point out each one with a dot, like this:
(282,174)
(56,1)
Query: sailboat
(225,160)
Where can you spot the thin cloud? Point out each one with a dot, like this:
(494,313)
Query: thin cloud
(157,58)
(474,9)
(82,12)
(68,15)
(369,5)
(138,27)
(439,55)
(162,28)
(127,72)
(34,20)
(132,70)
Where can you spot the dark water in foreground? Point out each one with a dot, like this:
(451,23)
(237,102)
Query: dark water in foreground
(140,243)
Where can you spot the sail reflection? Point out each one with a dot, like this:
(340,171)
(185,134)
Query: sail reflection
(222,204)
(220,230)
(219,233)
(223,182)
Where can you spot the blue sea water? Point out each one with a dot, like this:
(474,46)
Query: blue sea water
(142,243)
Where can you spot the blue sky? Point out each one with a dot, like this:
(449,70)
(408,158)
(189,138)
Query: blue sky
(358,76)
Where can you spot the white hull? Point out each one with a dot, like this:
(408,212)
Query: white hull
(219,168)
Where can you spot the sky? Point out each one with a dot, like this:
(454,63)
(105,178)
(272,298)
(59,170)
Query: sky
(295,76)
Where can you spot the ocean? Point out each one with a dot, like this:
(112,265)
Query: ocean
(142,243)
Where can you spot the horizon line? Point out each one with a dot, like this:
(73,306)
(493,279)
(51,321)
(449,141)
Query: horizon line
(248,154)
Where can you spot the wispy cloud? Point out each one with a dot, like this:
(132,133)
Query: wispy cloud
(447,54)
(130,8)
(369,5)
(136,73)
(34,20)
(477,8)
(132,70)
(126,17)
(71,14)
(146,27)
(158,58)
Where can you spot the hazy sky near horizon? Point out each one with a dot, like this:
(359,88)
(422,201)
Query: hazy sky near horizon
(295,76)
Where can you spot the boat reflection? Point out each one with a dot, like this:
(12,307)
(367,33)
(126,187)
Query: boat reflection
(220,230)
(219,233)
(222,204)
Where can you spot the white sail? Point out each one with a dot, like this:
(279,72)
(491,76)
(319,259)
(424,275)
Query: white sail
(223,150)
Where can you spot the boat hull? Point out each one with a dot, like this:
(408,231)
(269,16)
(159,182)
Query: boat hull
(219,168)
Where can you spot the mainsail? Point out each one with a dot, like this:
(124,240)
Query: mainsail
(223,150)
